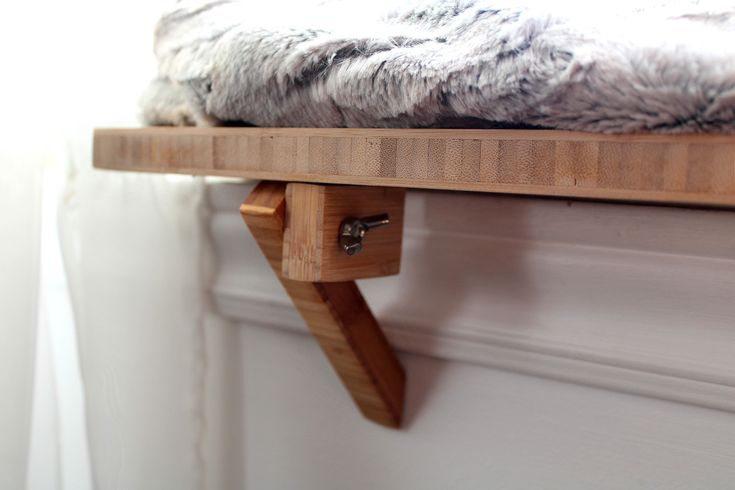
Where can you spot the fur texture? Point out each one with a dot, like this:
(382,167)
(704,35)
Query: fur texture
(627,67)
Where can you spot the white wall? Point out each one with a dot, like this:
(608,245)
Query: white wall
(626,297)
(467,427)
(612,298)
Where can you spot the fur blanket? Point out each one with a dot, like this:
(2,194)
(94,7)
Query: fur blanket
(620,66)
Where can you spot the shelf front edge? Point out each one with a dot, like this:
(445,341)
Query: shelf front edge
(675,169)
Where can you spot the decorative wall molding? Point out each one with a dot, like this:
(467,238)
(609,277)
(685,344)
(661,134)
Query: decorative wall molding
(632,298)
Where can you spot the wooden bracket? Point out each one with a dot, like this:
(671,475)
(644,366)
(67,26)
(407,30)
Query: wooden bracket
(297,228)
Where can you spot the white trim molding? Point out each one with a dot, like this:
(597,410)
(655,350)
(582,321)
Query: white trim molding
(625,297)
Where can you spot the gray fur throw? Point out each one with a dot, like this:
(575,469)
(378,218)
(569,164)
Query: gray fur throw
(665,67)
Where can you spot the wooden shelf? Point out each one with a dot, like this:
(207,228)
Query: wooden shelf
(679,169)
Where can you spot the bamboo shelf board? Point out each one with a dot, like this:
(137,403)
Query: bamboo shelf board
(679,169)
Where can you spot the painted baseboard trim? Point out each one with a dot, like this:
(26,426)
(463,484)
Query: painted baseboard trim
(630,298)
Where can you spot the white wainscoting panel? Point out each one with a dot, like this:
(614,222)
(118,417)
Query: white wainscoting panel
(465,428)
(632,298)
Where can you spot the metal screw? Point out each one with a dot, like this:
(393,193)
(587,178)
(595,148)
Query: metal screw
(353,230)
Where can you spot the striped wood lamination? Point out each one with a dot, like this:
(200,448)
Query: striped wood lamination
(688,169)
(336,314)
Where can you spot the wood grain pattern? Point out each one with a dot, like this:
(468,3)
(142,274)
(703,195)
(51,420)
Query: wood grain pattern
(685,169)
(311,250)
(336,314)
